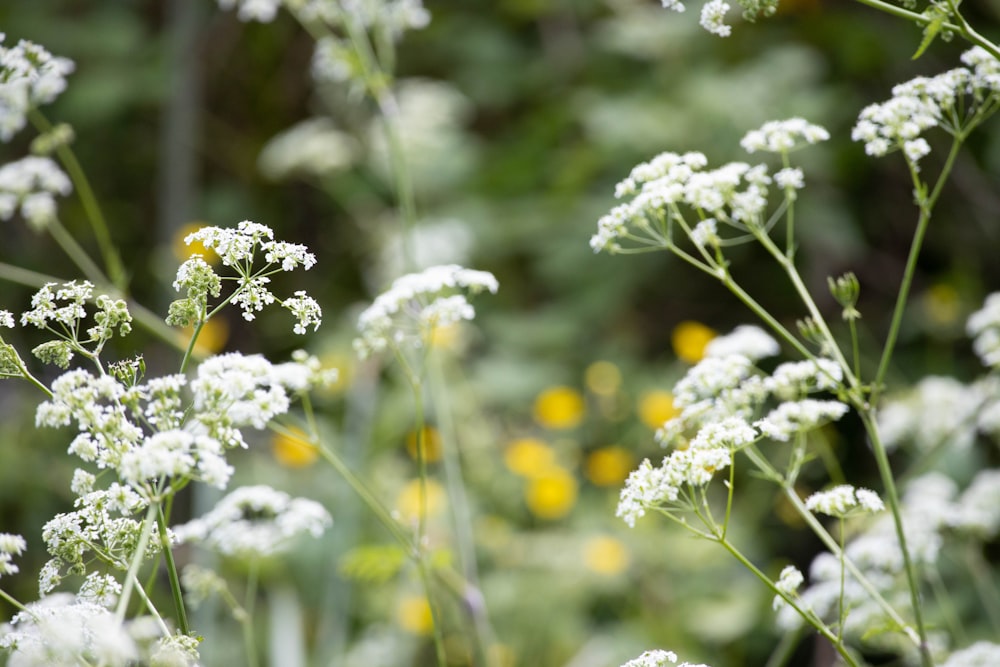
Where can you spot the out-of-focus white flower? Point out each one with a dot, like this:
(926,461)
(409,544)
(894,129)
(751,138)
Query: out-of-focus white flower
(794,417)
(313,147)
(783,136)
(255,521)
(713,18)
(29,76)
(32,184)
(748,340)
(843,500)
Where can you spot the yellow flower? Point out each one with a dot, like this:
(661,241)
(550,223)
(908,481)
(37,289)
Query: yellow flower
(942,304)
(413,614)
(690,339)
(408,500)
(528,457)
(559,408)
(603,378)
(552,494)
(605,555)
(211,339)
(609,466)
(446,337)
(183,251)
(432,444)
(293,449)
(656,407)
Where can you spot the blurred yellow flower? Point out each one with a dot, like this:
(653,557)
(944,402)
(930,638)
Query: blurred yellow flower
(529,457)
(344,363)
(447,336)
(432,444)
(183,251)
(413,614)
(656,407)
(559,408)
(609,466)
(293,449)
(211,339)
(942,303)
(690,339)
(603,378)
(408,500)
(605,555)
(551,495)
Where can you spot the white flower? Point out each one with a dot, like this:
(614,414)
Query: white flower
(415,304)
(788,583)
(984,326)
(710,377)
(730,433)
(790,178)
(306,311)
(713,14)
(32,183)
(797,378)
(29,76)
(978,508)
(705,233)
(748,340)
(255,521)
(841,500)
(645,487)
(782,136)
(657,658)
(673,5)
(263,11)
(794,417)
(10,545)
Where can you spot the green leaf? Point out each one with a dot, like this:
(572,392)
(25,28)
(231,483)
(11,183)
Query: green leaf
(931,31)
(372,563)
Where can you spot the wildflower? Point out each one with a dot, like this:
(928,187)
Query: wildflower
(263,11)
(748,340)
(978,508)
(984,326)
(29,77)
(645,487)
(790,178)
(609,465)
(416,303)
(413,614)
(713,15)
(706,233)
(528,457)
(936,410)
(656,408)
(64,630)
(255,521)
(843,500)
(731,433)
(432,444)
(710,377)
(559,407)
(605,555)
(415,497)
(10,545)
(603,378)
(689,340)
(293,449)
(783,136)
(788,583)
(551,494)
(658,658)
(794,417)
(797,378)
(32,184)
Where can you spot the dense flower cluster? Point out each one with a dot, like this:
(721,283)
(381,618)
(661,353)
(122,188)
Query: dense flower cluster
(843,500)
(417,303)
(391,16)
(718,399)
(658,658)
(734,195)
(241,249)
(29,76)
(31,185)
(948,100)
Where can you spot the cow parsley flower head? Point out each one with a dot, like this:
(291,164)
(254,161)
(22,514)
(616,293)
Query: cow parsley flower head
(255,521)
(844,500)
(29,77)
(713,16)
(788,583)
(793,417)
(262,11)
(783,136)
(10,546)
(658,658)
(747,340)
(984,327)
(32,184)
(416,303)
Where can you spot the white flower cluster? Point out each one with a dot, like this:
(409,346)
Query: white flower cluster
(984,327)
(240,249)
(718,398)
(10,546)
(937,411)
(255,521)
(931,507)
(29,76)
(417,303)
(393,17)
(734,195)
(31,184)
(658,658)
(783,136)
(946,100)
(788,583)
(844,500)
(713,18)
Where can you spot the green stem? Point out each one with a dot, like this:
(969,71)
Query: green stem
(963,28)
(76,253)
(175,583)
(916,244)
(151,607)
(246,619)
(91,207)
(17,605)
(821,628)
(137,558)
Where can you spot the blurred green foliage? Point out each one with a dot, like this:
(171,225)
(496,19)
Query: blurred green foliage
(534,109)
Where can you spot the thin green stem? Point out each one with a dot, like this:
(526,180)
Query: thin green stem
(137,558)
(98,224)
(246,619)
(172,575)
(140,591)
(13,602)
(76,253)
(926,206)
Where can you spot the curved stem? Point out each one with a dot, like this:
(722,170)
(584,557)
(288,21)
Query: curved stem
(963,28)
(172,575)
(137,558)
